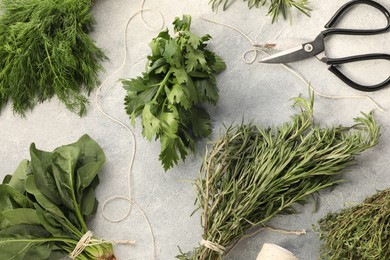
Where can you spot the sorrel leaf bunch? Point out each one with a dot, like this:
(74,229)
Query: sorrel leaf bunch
(45,51)
(360,232)
(252,174)
(275,6)
(179,78)
(44,204)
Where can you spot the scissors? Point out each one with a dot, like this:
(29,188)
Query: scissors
(317,47)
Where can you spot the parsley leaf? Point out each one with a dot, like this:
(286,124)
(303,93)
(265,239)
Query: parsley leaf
(179,78)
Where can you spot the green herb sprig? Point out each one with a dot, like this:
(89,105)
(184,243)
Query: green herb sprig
(179,78)
(45,51)
(252,174)
(275,6)
(360,232)
(44,204)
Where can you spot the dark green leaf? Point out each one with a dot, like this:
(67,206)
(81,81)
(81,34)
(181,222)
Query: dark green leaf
(25,242)
(135,103)
(170,122)
(21,216)
(200,121)
(150,123)
(169,148)
(43,176)
(195,59)
(64,161)
(183,24)
(179,95)
(136,84)
(19,176)
(154,67)
(10,198)
(172,53)
(44,202)
(207,90)
(181,75)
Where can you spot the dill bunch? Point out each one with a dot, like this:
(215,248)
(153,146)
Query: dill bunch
(275,8)
(252,174)
(360,232)
(45,51)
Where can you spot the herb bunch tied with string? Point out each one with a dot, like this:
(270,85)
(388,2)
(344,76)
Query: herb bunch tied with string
(359,232)
(45,203)
(180,78)
(252,174)
(276,7)
(45,51)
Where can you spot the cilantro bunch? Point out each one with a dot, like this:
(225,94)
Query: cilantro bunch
(179,78)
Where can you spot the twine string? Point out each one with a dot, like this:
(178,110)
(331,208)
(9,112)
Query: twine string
(128,198)
(81,245)
(87,240)
(213,246)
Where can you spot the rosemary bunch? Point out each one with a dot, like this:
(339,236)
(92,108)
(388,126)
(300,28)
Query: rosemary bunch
(45,51)
(361,232)
(275,6)
(252,174)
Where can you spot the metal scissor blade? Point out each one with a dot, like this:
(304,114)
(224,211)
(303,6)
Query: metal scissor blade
(286,56)
(301,52)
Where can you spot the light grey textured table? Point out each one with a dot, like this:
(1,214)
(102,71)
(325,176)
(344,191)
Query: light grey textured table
(259,92)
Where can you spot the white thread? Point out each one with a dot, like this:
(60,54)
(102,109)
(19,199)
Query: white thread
(129,197)
(254,49)
(87,240)
(81,245)
(213,246)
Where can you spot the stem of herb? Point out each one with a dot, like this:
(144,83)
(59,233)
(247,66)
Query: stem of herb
(163,83)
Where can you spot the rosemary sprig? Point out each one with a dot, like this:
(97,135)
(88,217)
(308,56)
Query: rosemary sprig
(360,232)
(275,6)
(253,174)
(45,51)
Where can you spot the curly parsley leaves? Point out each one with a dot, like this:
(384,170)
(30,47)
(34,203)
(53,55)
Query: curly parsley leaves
(179,78)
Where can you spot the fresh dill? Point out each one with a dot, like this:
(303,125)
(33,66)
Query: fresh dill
(45,51)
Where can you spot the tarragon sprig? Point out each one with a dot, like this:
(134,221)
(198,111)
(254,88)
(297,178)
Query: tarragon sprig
(275,6)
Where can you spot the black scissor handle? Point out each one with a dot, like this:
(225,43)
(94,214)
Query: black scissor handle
(344,8)
(345,79)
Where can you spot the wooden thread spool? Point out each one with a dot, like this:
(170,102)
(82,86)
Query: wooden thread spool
(274,252)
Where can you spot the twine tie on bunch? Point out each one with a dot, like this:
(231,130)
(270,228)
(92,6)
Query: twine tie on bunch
(87,240)
(82,244)
(213,246)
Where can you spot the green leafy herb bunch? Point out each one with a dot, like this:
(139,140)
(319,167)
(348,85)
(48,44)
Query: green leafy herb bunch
(360,232)
(179,78)
(275,6)
(252,174)
(44,204)
(45,51)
